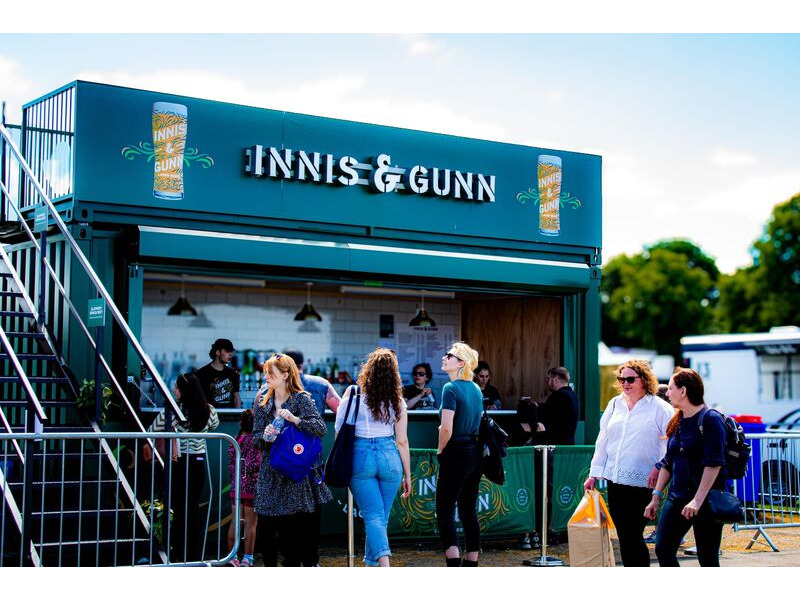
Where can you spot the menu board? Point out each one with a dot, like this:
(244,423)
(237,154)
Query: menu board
(416,345)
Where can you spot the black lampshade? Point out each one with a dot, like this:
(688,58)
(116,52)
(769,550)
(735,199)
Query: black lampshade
(307,313)
(422,319)
(182,308)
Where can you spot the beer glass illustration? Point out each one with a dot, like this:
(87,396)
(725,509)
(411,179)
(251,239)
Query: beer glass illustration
(549,172)
(169,142)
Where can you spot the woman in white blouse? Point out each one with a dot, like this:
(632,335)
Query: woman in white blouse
(631,441)
(381,457)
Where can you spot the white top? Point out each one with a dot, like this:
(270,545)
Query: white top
(366,425)
(631,442)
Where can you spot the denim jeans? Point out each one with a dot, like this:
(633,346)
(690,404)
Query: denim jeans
(672,526)
(377,473)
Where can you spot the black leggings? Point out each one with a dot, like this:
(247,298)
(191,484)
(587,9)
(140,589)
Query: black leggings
(295,535)
(672,526)
(626,503)
(457,484)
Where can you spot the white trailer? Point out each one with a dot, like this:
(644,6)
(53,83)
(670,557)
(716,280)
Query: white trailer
(750,373)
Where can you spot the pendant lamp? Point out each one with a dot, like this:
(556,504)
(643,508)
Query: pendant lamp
(182,307)
(421,319)
(307,313)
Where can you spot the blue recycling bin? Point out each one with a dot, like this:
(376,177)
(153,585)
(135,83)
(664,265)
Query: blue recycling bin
(747,488)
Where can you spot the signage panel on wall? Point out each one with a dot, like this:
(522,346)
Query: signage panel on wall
(174,153)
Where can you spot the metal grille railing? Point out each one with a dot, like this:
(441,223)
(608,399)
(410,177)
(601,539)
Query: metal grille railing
(771,489)
(49,131)
(82,516)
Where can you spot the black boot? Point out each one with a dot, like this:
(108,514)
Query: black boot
(453,562)
(469,563)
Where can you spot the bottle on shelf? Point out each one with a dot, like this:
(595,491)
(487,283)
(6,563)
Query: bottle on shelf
(334,370)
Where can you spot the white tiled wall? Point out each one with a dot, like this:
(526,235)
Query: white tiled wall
(264,320)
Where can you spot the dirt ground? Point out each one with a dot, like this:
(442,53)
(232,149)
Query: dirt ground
(506,552)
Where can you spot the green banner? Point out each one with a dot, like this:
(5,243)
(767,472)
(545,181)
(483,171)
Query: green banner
(506,509)
(570,470)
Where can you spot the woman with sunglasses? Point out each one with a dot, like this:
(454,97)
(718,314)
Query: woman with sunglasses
(418,395)
(630,443)
(290,510)
(459,456)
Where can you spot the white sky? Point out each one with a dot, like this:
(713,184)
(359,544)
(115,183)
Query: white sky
(698,133)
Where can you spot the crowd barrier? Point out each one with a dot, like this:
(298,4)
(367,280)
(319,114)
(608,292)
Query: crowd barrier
(770,492)
(91,499)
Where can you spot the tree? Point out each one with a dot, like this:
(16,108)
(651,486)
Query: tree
(653,298)
(767,293)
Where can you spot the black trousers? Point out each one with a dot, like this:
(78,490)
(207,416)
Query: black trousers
(296,536)
(626,503)
(672,526)
(187,532)
(457,485)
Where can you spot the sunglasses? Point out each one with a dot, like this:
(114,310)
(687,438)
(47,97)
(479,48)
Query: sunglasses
(420,374)
(628,379)
(451,355)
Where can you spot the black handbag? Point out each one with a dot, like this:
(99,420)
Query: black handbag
(339,466)
(725,508)
(492,441)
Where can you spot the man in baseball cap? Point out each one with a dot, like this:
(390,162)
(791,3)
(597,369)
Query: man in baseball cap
(219,381)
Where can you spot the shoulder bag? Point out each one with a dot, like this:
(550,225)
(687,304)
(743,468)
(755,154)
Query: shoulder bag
(294,453)
(339,466)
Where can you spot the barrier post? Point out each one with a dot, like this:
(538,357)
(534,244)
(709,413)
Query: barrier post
(544,560)
(351,546)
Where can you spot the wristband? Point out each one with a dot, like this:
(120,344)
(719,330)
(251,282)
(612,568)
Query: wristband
(656,493)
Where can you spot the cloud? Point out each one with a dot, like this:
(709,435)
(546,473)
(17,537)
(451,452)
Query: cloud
(16,88)
(342,97)
(723,157)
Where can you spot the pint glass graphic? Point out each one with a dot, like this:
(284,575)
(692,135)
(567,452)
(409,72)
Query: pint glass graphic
(169,142)
(549,171)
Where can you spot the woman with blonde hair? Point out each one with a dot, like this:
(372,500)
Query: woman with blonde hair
(630,443)
(381,457)
(459,456)
(291,510)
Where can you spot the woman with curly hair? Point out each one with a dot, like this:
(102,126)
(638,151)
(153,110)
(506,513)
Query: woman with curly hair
(381,457)
(631,441)
(459,456)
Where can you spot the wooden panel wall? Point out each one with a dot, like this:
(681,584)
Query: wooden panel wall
(520,338)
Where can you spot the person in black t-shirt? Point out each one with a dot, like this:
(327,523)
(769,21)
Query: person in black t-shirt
(558,416)
(220,382)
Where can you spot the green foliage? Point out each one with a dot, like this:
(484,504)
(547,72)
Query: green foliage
(653,298)
(766,294)
(85,399)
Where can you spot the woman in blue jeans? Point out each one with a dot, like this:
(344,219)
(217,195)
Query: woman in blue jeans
(381,458)
(695,463)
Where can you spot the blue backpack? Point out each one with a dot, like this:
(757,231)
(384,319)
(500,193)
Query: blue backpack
(294,453)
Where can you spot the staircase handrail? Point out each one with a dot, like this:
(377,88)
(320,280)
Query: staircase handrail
(86,332)
(32,397)
(87,267)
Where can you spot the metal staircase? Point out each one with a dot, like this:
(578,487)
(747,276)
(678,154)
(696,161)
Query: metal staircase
(64,494)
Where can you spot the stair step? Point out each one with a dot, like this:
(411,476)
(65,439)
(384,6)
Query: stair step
(7,294)
(126,512)
(35,379)
(16,313)
(29,356)
(25,334)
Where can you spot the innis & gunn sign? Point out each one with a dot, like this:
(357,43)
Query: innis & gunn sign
(379,175)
